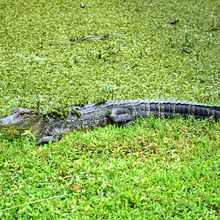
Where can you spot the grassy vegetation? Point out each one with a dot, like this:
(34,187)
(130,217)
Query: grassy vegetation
(156,169)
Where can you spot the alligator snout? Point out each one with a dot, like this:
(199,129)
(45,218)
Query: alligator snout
(6,123)
(20,119)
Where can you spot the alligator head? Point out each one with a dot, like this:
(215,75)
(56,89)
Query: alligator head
(21,119)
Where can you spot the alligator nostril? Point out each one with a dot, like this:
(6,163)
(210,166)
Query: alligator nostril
(15,110)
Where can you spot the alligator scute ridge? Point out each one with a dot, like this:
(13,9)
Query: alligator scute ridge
(110,112)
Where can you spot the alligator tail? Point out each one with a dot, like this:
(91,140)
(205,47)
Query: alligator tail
(166,109)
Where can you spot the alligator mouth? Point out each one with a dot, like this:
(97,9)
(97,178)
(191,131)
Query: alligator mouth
(4,126)
(21,119)
(7,123)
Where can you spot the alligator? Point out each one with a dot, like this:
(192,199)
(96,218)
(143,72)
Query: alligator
(95,37)
(110,112)
(92,37)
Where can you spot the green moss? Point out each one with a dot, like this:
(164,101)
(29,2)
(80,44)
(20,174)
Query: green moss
(100,101)
(76,112)
(59,113)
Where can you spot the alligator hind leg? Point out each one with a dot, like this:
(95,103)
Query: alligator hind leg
(47,139)
(121,116)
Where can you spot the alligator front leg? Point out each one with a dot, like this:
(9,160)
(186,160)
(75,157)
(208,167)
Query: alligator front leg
(47,139)
(121,116)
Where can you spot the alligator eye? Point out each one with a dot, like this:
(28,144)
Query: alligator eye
(22,114)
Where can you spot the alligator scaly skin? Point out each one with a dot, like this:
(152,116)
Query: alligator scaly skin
(116,112)
(123,112)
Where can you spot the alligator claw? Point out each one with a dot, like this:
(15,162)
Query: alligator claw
(47,139)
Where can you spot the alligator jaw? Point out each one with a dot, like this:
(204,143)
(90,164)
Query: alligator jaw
(20,119)
(7,123)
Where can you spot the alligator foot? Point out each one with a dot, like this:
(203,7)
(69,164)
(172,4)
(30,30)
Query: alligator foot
(130,123)
(121,116)
(47,139)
